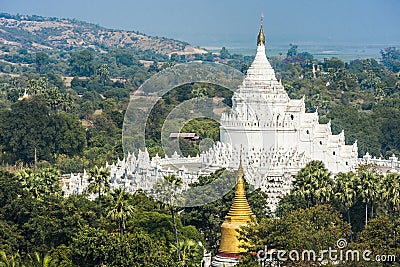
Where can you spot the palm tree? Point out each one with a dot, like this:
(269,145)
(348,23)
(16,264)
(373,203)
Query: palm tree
(391,192)
(13,261)
(324,186)
(28,181)
(368,188)
(99,182)
(188,250)
(104,73)
(313,183)
(166,191)
(38,261)
(41,183)
(345,191)
(303,188)
(121,210)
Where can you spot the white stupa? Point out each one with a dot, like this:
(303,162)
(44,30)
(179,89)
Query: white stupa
(278,137)
(274,134)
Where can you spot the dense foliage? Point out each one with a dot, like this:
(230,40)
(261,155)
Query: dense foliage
(62,111)
(361,208)
(113,229)
(122,230)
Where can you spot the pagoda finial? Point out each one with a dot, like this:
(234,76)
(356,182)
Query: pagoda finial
(240,170)
(261,36)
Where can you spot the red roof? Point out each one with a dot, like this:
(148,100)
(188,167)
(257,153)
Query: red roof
(183,135)
(229,255)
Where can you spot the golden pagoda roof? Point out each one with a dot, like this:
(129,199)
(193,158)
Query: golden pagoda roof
(239,215)
(240,210)
(261,36)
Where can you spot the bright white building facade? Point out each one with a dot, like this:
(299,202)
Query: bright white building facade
(274,134)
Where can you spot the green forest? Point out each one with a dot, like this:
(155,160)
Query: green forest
(52,125)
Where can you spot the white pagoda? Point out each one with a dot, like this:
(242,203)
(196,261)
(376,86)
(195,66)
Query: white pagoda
(275,133)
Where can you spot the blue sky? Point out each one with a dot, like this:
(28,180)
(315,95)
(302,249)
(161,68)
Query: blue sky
(234,22)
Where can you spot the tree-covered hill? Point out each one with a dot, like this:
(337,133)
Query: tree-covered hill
(62,108)
(36,33)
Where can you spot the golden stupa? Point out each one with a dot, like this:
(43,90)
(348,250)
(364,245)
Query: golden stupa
(239,215)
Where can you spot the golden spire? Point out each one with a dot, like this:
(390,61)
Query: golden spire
(261,36)
(239,215)
(240,210)
(240,169)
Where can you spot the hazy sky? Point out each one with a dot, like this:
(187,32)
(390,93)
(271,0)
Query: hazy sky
(233,22)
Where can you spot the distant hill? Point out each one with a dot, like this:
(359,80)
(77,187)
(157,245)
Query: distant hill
(36,33)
